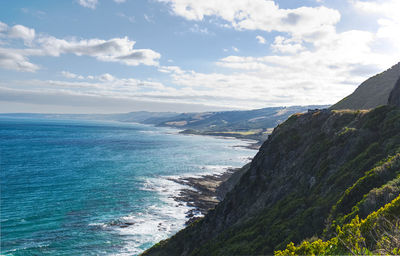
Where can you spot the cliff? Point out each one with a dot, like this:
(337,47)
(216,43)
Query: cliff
(313,173)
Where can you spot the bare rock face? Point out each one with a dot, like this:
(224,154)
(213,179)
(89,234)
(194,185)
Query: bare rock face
(394,98)
(373,92)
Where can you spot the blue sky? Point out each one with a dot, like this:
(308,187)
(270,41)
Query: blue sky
(103,56)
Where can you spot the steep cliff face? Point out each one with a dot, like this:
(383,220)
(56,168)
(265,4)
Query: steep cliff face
(373,92)
(394,98)
(296,184)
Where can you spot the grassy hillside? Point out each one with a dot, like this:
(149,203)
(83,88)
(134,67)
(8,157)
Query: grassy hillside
(373,92)
(316,171)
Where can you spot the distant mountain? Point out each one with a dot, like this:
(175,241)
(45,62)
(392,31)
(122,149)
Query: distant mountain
(373,92)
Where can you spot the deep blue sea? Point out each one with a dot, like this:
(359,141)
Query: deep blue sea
(66,186)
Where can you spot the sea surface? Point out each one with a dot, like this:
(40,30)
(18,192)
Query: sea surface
(98,188)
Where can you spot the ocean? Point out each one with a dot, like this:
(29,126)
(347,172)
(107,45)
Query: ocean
(72,187)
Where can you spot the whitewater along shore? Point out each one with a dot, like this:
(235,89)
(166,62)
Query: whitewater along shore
(206,191)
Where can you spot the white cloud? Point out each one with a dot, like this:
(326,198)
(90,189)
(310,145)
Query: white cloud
(261,15)
(16,60)
(388,8)
(197,29)
(106,78)
(67,74)
(119,1)
(321,75)
(88,3)
(388,19)
(113,50)
(261,39)
(3,27)
(284,45)
(318,76)
(311,62)
(18,32)
(170,69)
(235,49)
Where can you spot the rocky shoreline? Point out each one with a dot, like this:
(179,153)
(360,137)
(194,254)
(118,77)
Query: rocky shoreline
(202,194)
(206,191)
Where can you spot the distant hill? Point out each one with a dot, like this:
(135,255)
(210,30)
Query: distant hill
(235,120)
(254,124)
(372,93)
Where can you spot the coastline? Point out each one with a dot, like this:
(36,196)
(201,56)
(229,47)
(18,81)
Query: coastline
(201,194)
(206,191)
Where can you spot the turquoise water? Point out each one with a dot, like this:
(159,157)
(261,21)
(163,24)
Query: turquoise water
(67,187)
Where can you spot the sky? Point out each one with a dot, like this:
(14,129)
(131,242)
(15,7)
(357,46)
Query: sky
(109,56)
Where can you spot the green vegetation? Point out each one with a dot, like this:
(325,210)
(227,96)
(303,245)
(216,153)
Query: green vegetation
(356,196)
(379,233)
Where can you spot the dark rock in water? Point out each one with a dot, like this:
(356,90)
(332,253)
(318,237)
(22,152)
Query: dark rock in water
(121,224)
(394,98)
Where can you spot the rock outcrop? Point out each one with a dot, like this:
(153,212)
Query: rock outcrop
(394,98)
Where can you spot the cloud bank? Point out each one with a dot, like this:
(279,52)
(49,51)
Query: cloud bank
(120,50)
